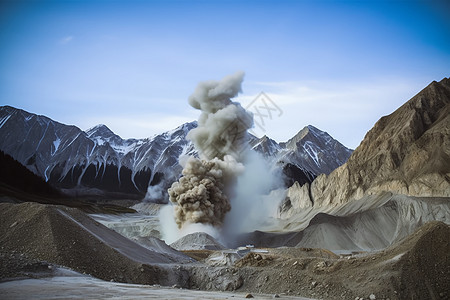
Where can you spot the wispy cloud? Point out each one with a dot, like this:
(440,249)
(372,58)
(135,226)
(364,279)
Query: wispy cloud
(66,40)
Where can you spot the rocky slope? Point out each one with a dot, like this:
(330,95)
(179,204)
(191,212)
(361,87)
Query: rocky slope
(414,268)
(390,220)
(406,152)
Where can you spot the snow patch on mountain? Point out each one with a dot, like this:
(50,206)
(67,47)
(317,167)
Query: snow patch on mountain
(45,173)
(4,120)
(56,144)
(309,148)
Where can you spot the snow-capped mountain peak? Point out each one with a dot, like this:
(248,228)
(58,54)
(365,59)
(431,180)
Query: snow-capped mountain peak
(317,151)
(101,134)
(181,130)
(100,130)
(266,146)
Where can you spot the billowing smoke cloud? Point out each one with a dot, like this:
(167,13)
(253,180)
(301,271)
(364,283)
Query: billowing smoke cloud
(202,195)
(227,190)
(222,125)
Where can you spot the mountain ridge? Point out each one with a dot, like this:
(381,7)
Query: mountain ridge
(311,140)
(406,152)
(99,160)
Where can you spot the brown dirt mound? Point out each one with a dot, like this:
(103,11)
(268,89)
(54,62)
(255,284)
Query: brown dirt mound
(255,260)
(414,268)
(426,266)
(277,257)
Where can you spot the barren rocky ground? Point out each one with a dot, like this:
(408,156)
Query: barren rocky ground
(36,238)
(416,268)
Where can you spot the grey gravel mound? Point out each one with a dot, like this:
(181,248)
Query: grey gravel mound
(197,241)
(68,237)
(376,228)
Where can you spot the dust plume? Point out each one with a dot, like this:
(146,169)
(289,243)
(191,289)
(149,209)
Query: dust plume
(222,125)
(202,195)
(258,191)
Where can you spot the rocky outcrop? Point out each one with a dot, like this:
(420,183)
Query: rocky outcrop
(294,174)
(297,198)
(406,152)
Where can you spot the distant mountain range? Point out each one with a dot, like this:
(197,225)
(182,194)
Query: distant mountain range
(99,162)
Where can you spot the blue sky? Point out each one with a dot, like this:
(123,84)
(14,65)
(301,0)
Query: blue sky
(337,65)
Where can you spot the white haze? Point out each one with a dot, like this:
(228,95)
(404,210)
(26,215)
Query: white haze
(254,202)
(156,193)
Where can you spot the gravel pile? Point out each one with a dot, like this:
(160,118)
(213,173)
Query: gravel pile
(68,237)
(197,241)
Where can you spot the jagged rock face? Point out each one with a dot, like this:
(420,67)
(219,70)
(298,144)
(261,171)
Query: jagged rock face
(297,198)
(318,152)
(406,152)
(295,175)
(266,146)
(309,153)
